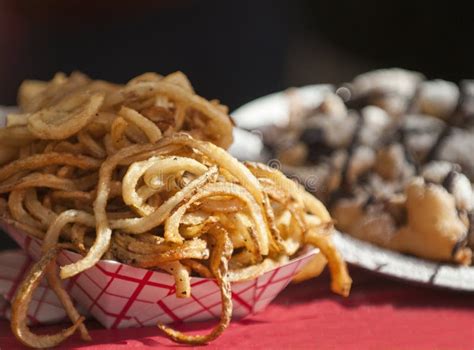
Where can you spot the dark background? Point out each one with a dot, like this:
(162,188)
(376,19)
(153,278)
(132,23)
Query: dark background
(232,50)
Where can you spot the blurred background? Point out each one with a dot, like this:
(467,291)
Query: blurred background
(232,50)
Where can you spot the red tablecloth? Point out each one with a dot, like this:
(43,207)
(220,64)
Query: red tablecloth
(379,314)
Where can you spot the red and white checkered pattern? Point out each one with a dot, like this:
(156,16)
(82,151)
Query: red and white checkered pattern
(120,296)
(45,307)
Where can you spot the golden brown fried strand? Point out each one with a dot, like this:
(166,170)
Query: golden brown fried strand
(38,180)
(17,210)
(50,240)
(68,147)
(45,215)
(28,90)
(253,271)
(38,161)
(223,204)
(201,269)
(180,79)
(155,256)
(22,300)
(16,136)
(7,154)
(182,280)
(312,269)
(149,128)
(66,118)
(92,146)
(118,138)
(46,94)
(219,267)
(66,217)
(312,204)
(340,280)
(87,197)
(55,284)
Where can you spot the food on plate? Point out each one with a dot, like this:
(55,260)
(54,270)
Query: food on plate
(138,173)
(390,154)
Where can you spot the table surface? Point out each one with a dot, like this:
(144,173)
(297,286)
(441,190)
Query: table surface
(380,314)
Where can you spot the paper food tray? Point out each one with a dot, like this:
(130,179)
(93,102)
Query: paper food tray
(121,296)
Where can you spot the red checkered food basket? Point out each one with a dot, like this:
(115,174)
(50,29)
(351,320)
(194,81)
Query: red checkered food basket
(121,296)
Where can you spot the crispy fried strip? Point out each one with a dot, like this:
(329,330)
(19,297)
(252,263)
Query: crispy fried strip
(153,175)
(66,217)
(55,284)
(253,271)
(147,126)
(110,148)
(68,147)
(22,300)
(224,204)
(50,240)
(143,244)
(135,135)
(155,256)
(54,91)
(312,269)
(180,79)
(250,237)
(45,215)
(340,280)
(193,231)
(38,180)
(221,256)
(117,133)
(15,205)
(7,154)
(198,267)
(14,119)
(77,195)
(297,191)
(92,146)
(181,277)
(38,161)
(16,136)
(179,116)
(65,119)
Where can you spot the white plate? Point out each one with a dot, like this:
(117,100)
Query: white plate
(273,109)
